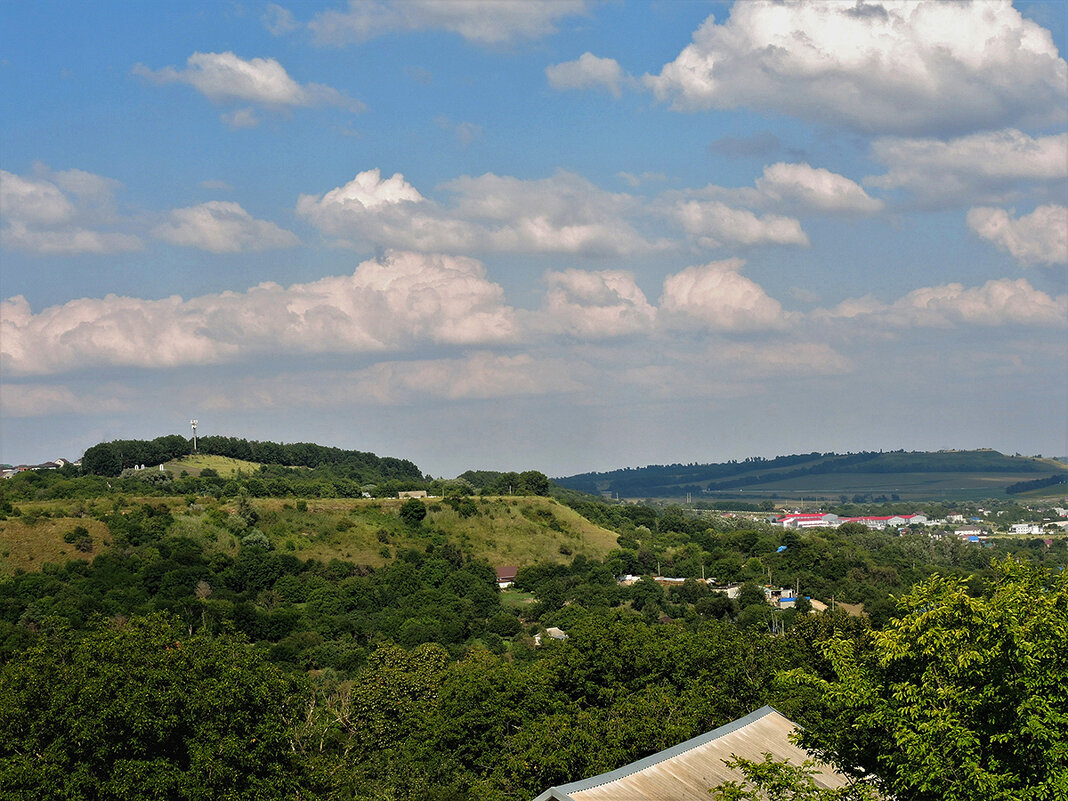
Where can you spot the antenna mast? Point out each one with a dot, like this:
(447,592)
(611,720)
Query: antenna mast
(193,423)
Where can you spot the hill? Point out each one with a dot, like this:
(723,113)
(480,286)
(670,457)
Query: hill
(916,475)
(111,458)
(500,530)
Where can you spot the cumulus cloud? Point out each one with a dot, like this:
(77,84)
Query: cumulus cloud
(814,188)
(595,303)
(390,304)
(717,296)
(714,224)
(985,167)
(587,72)
(995,303)
(485,22)
(222,227)
(897,66)
(60,213)
(1040,237)
(228,78)
(561,214)
(717,216)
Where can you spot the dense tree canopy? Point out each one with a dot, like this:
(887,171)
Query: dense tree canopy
(962,696)
(142,709)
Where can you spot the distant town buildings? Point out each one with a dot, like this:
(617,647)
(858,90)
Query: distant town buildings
(823,520)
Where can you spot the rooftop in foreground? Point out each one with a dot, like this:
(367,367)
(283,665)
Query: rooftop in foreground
(686,771)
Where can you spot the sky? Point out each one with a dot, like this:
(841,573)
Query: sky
(566,235)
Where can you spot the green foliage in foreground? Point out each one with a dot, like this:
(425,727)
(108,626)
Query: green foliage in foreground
(772,780)
(960,697)
(143,710)
(964,695)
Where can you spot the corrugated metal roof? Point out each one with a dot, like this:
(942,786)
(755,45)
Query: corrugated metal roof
(687,771)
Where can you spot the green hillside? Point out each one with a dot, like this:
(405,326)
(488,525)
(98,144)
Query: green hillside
(195,464)
(499,530)
(909,475)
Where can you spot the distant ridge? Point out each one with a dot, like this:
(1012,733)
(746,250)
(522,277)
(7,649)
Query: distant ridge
(905,473)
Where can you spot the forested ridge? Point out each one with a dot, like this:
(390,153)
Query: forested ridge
(188,648)
(111,458)
(672,480)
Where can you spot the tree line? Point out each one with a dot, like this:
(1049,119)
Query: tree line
(111,458)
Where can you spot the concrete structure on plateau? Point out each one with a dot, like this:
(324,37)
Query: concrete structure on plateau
(687,771)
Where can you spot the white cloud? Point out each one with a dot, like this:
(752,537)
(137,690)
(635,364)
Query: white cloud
(240,118)
(278,20)
(368,191)
(396,303)
(1040,237)
(475,376)
(69,242)
(217,185)
(897,66)
(465,132)
(44,400)
(713,216)
(587,72)
(630,179)
(478,376)
(561,214)
(714,224)
(996,303)
(718,296)
(814,188)
(984,167)
(783,358)
(480,21)
(60,213)
(594,304)
(222,227)
(228,78)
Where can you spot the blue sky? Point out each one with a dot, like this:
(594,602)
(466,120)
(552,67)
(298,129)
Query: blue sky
(565,236)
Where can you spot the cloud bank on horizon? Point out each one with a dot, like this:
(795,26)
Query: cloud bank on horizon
(559,235)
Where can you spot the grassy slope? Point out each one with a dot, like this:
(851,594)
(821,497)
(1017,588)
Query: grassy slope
(223,465)
(500,533)
(28,547)
(506,531)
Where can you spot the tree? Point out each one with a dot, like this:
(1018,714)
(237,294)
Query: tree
(781,781)
(532,482)
(960,697)
(412,512)
(141,709)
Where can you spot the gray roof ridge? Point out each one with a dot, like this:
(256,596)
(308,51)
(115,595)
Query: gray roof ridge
(563,791)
